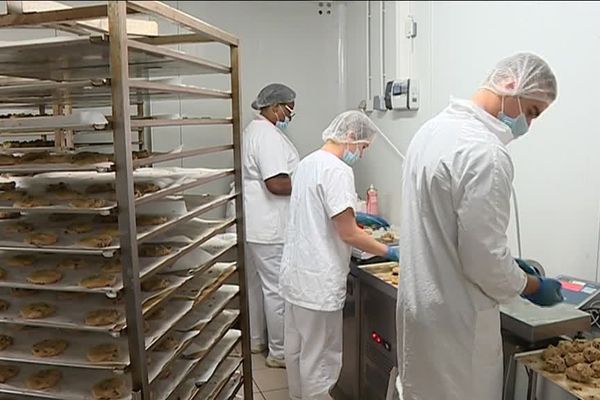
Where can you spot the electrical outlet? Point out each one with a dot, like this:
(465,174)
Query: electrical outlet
(325,8)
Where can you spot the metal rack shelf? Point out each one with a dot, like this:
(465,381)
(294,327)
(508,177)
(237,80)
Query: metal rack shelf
(97,93)
(69,78)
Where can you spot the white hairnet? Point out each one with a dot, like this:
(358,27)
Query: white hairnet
(275,93)
(531,75)
(350,127)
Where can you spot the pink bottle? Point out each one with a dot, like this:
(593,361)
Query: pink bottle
(372,206)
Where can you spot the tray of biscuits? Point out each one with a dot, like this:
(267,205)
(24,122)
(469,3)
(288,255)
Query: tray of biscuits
(572,365)
(79,311)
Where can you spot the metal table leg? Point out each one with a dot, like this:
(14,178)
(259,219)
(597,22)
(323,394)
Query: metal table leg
(531,384)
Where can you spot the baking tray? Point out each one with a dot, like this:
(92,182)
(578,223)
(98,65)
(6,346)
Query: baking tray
(75,354)
(222,375)
(71,311)
(202,366)
(211,334)
(160,360)
(232,387)
(75,384)
(216,356)
(97,93)
(93,120)
(68,243)
(212,277)
(208,308)
(70,282)
(205,255)
(175,310)
(89,58)
(583,391)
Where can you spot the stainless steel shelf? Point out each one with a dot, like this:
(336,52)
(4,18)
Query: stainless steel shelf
(97,93)
(89,58)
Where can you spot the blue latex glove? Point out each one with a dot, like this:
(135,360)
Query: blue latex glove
(392,254)
(374,221)
(529,269)
(548,293)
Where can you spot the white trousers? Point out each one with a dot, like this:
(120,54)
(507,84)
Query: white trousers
(313,351)
(265,262)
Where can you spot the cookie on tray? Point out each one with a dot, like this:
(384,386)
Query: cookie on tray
(77,228)
(104,352)
(7,159)
(41,238)
(168,343)
(154,283)
(71,264)
(49,348)
(7,372)
(44,277)
(155,250)
(21,260)
(88,157)
(5,342)
(37,311)
(4,305)
(44,379)
(99,241)
(102,317)
(19,227)
(87,203)
(98,281)
(31,202)
(112,266)
(109,389)
(143,188)
(151,220)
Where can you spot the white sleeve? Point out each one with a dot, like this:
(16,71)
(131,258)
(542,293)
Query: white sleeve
(483,215)
(272,156)
(338,191)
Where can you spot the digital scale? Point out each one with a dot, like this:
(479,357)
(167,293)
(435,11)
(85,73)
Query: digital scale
(578,292)
(533,323)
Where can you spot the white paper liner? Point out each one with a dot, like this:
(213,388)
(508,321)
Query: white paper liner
(221,376)
(74,356)
(71,313)
(232,386)
(174,310)
(208,309)
(194,288)
(211,334)
(216,356)
(75,384)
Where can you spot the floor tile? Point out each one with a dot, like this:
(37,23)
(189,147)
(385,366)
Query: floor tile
(277,395)
(255,388)
(271,379)
(258,362)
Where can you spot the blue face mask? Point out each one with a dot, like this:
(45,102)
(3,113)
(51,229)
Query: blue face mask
(349,157)
(518,125)
(283,125)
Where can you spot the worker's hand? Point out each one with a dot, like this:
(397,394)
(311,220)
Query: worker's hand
(548,294)
(373,221)
(528,268)
(392,254)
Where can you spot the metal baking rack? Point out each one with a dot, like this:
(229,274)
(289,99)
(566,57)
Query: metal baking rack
(60,84)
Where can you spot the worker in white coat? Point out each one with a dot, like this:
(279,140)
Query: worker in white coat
(456,266)
(316,256)
(269,160)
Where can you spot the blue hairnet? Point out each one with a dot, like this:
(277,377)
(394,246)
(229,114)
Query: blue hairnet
(275,93)
(531,76)
(351,127)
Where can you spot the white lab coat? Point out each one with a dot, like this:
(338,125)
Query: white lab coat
(456,266)
(267,153)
